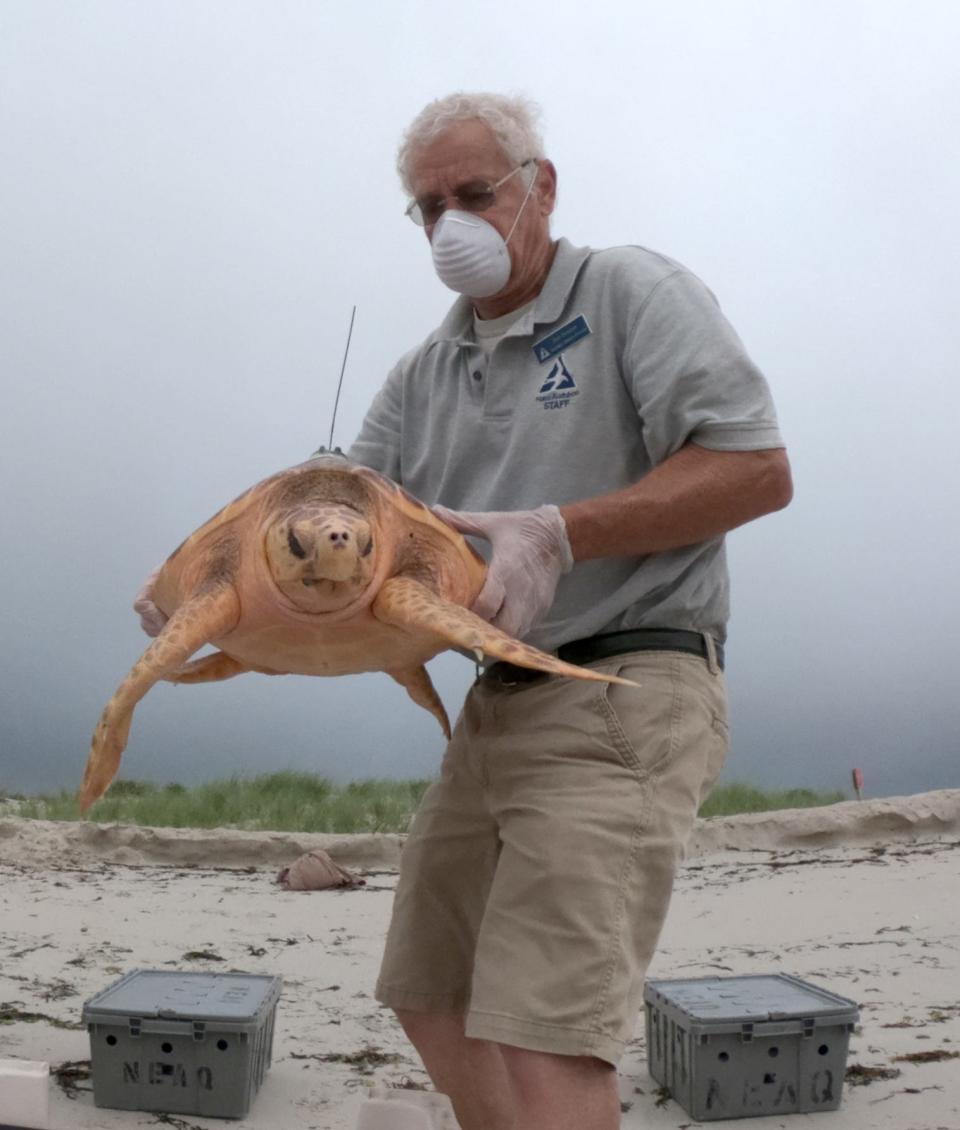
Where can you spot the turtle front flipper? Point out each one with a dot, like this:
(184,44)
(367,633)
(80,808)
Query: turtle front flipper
(408,604)
(208,615)
(419,686)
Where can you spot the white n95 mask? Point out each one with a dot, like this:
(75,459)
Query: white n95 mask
(469,255)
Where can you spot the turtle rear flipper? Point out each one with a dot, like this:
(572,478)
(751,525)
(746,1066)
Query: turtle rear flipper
(207,615)
(419,686)
(208,669)
(409,604)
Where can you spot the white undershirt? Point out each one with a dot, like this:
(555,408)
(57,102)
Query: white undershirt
(488,331)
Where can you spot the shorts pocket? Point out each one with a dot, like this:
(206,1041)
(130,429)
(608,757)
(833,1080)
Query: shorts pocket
(641,722)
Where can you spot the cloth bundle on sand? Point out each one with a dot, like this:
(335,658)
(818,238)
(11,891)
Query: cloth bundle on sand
(315,871)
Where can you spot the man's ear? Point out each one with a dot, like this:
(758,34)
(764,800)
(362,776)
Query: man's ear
(546,186)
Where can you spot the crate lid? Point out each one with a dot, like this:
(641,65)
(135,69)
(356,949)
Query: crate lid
(188,996)
(750,998)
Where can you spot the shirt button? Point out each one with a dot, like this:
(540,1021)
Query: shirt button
(477,375)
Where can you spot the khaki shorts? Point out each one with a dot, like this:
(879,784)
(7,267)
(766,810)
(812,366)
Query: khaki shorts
(538,870)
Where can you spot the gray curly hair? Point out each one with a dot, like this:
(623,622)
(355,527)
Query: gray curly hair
(513,119)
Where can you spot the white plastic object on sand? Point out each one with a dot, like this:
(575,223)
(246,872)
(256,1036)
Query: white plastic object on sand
(391,1114)
(24,1094)
(435,1105)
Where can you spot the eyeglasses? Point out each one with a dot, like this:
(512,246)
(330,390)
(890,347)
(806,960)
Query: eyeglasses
(472,196)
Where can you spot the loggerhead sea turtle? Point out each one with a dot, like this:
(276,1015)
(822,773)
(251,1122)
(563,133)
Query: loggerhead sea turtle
(327,568)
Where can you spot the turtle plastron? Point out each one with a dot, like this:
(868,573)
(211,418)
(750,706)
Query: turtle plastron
(326,568)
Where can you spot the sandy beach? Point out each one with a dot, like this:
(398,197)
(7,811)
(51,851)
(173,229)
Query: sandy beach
(862,898)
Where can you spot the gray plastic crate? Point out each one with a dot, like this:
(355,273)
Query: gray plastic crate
(182,1043)
(732,1047)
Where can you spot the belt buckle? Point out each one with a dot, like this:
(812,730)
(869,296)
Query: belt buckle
(501,674)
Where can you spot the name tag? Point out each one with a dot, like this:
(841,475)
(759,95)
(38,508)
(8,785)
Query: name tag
(561,339)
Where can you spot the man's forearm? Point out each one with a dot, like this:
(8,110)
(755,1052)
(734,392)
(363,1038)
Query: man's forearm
(694,495)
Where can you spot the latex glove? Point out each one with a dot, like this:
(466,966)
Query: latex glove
(531,552)
(152,619)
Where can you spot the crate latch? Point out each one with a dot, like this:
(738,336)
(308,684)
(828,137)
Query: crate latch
(134,1024)
(746,1033)
(198,1029)
(808,1027)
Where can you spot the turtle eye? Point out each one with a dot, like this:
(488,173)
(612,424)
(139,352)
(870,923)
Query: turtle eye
(367,548)
(295,547)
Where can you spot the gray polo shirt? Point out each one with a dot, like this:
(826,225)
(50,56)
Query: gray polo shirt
(622,359)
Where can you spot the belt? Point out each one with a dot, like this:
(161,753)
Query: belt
(606,645)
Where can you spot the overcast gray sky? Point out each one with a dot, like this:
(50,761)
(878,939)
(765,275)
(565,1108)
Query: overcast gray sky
(193,196)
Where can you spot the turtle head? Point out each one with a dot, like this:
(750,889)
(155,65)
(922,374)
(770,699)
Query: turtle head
(321,557)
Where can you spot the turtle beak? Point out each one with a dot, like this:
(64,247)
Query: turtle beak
(337,549)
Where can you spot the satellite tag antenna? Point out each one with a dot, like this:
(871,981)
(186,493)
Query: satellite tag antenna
(343,369)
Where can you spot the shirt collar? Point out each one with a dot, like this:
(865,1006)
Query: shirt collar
(457,326)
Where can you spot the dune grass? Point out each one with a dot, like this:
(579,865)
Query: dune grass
(279,802)
(291,801)
(737,797)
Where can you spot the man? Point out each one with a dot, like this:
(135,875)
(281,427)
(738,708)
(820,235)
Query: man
(594,416)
